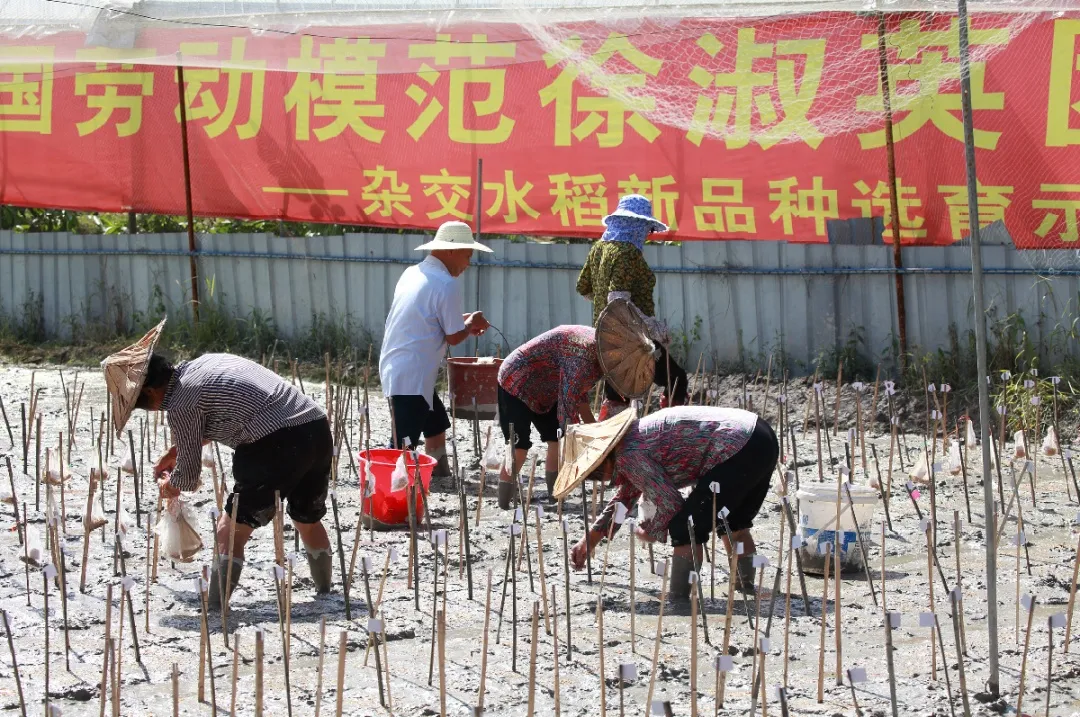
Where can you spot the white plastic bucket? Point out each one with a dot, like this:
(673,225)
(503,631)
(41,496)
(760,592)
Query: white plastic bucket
(817,524)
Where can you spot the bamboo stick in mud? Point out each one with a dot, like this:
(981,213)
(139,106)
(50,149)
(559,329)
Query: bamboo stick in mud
(821,639)
(722,672)
(318,671)
(48,572)
(1072,594)
(377,624)
(484,651)
(7,424)
(694,578)
(836,409)
(1029,605)
(279,575)
(175,690)
(341,554)
(663,569)
(566,585)
(259,652)
(817,431)
(532,662)
(63,597)
(838,626)
(228,568)
(555,651)
(483,478)
(1053,621)
(957,612)
(235,672)
(14,662)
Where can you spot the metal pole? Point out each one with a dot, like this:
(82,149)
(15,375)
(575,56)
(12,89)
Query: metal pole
(993,682)
(187,189)
(894,200)
(479,220)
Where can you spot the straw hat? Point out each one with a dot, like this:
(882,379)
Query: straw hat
(125,373)
(585,447)
(627,354)
(453,235)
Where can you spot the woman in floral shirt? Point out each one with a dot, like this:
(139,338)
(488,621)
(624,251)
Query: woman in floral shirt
(689,447)
(616,268)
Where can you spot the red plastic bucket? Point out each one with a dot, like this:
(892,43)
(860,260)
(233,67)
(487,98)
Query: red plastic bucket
(387,507)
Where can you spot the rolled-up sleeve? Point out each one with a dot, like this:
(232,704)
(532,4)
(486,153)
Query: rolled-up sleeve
(186,425)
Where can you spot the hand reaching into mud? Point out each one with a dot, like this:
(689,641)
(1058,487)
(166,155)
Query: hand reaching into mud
(168,490)
(579,554)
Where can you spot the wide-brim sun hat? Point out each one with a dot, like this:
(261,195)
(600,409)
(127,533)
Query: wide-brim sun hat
(636,206)
(125,374)
(627,354)
(584,448)
(454,235)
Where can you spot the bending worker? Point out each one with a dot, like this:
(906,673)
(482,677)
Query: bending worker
(425,317)
(281,438)
(546,381)
(653,458)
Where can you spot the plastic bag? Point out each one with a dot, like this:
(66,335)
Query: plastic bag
(366,478)
(494,456)
(1050,443)
(954,459)
(1020,446)
(646,509)
(179,540)
(97,518)
(125,522)
(34,554)
(970,438)
(128,466)
(399,479)
(920,472)
(208,457)
(53,476)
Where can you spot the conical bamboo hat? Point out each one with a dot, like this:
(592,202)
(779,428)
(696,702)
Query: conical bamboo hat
(627,354)
(585,447)
(125,373)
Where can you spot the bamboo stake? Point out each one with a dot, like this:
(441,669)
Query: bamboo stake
(821,640)
(1072,594)
(319,670)
(555,649)
(108,643)
(175,690)
(566,583)
(228,568)
(722,675)
(236,667)
(259,672)
(659,632)
(633,598)
(532,660)
(483,477)
(693,634)
(838,628)
(958,640)
(484,652)
(14,661)
(1023,662)
(442,658)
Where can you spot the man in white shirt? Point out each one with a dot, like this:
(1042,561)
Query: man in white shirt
(426,316)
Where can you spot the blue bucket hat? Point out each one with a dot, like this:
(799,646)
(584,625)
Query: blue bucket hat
(635,206)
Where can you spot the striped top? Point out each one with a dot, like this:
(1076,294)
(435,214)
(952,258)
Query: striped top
(669,450)
(557,368)
(231,400)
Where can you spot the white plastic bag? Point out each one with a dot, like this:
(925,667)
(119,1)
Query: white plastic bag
(179,539)
(128,466)
(1050,443)
(495,456)
(646,509)
(920,472)
(208,456)
(954,459)
(34,555)
(53,476)
(1020,447)
(970,438)
(366,478)
(399,479)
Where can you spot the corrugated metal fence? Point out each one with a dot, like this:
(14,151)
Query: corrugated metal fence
(752,298)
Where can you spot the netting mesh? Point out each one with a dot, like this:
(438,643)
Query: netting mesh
(738,120)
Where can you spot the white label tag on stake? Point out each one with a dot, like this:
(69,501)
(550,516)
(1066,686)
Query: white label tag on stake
(1006,375)
(49,570)
(1028,383)
(517,514)
(1055,380)
(823,547)
(764,644)
(127,583)
(1034,372)
(565,526)
(924,525)
(515,529)
(1001,410)
(857,675)
(714,487)
(692,578)
(279,572)
(690,521)
(1057,620)
(1027,602)
(393,555)
(797,542)
(724,512)
(1035,400)
(894,620)
(739,548)
(628,672)
(1019,539)
(366,563)
(760,561)
(937,467)
(926,619)
(539,512)
(660,568)
(214,512)
(817,387)
(724,663)
(1029,466)
(858,386)
(782,398)
(374,624)
(931,388)
(658,707)
(620,513)
(946,387)
(957,594)
(1068,454)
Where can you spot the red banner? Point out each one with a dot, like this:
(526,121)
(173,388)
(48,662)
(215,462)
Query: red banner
(754,129)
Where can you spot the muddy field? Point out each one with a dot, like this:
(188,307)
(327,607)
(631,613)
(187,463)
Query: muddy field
(172,608)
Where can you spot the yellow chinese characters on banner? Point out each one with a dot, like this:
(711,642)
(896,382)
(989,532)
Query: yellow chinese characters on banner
(386,193)
(451,193)
(661,191)
(815,204)
(1063,105)
(26,89)
(203,90)
(758,70)
(337,87)
(992,203)
(722,209)
(876,202)
(579,201)
(927,63)
(1060,210)
(622,103)
(464,83)
(114,86)
(515,195)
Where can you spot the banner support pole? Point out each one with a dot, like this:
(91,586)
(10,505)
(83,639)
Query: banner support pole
(894,199)
(192,246)
(479,219)
(993,681)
